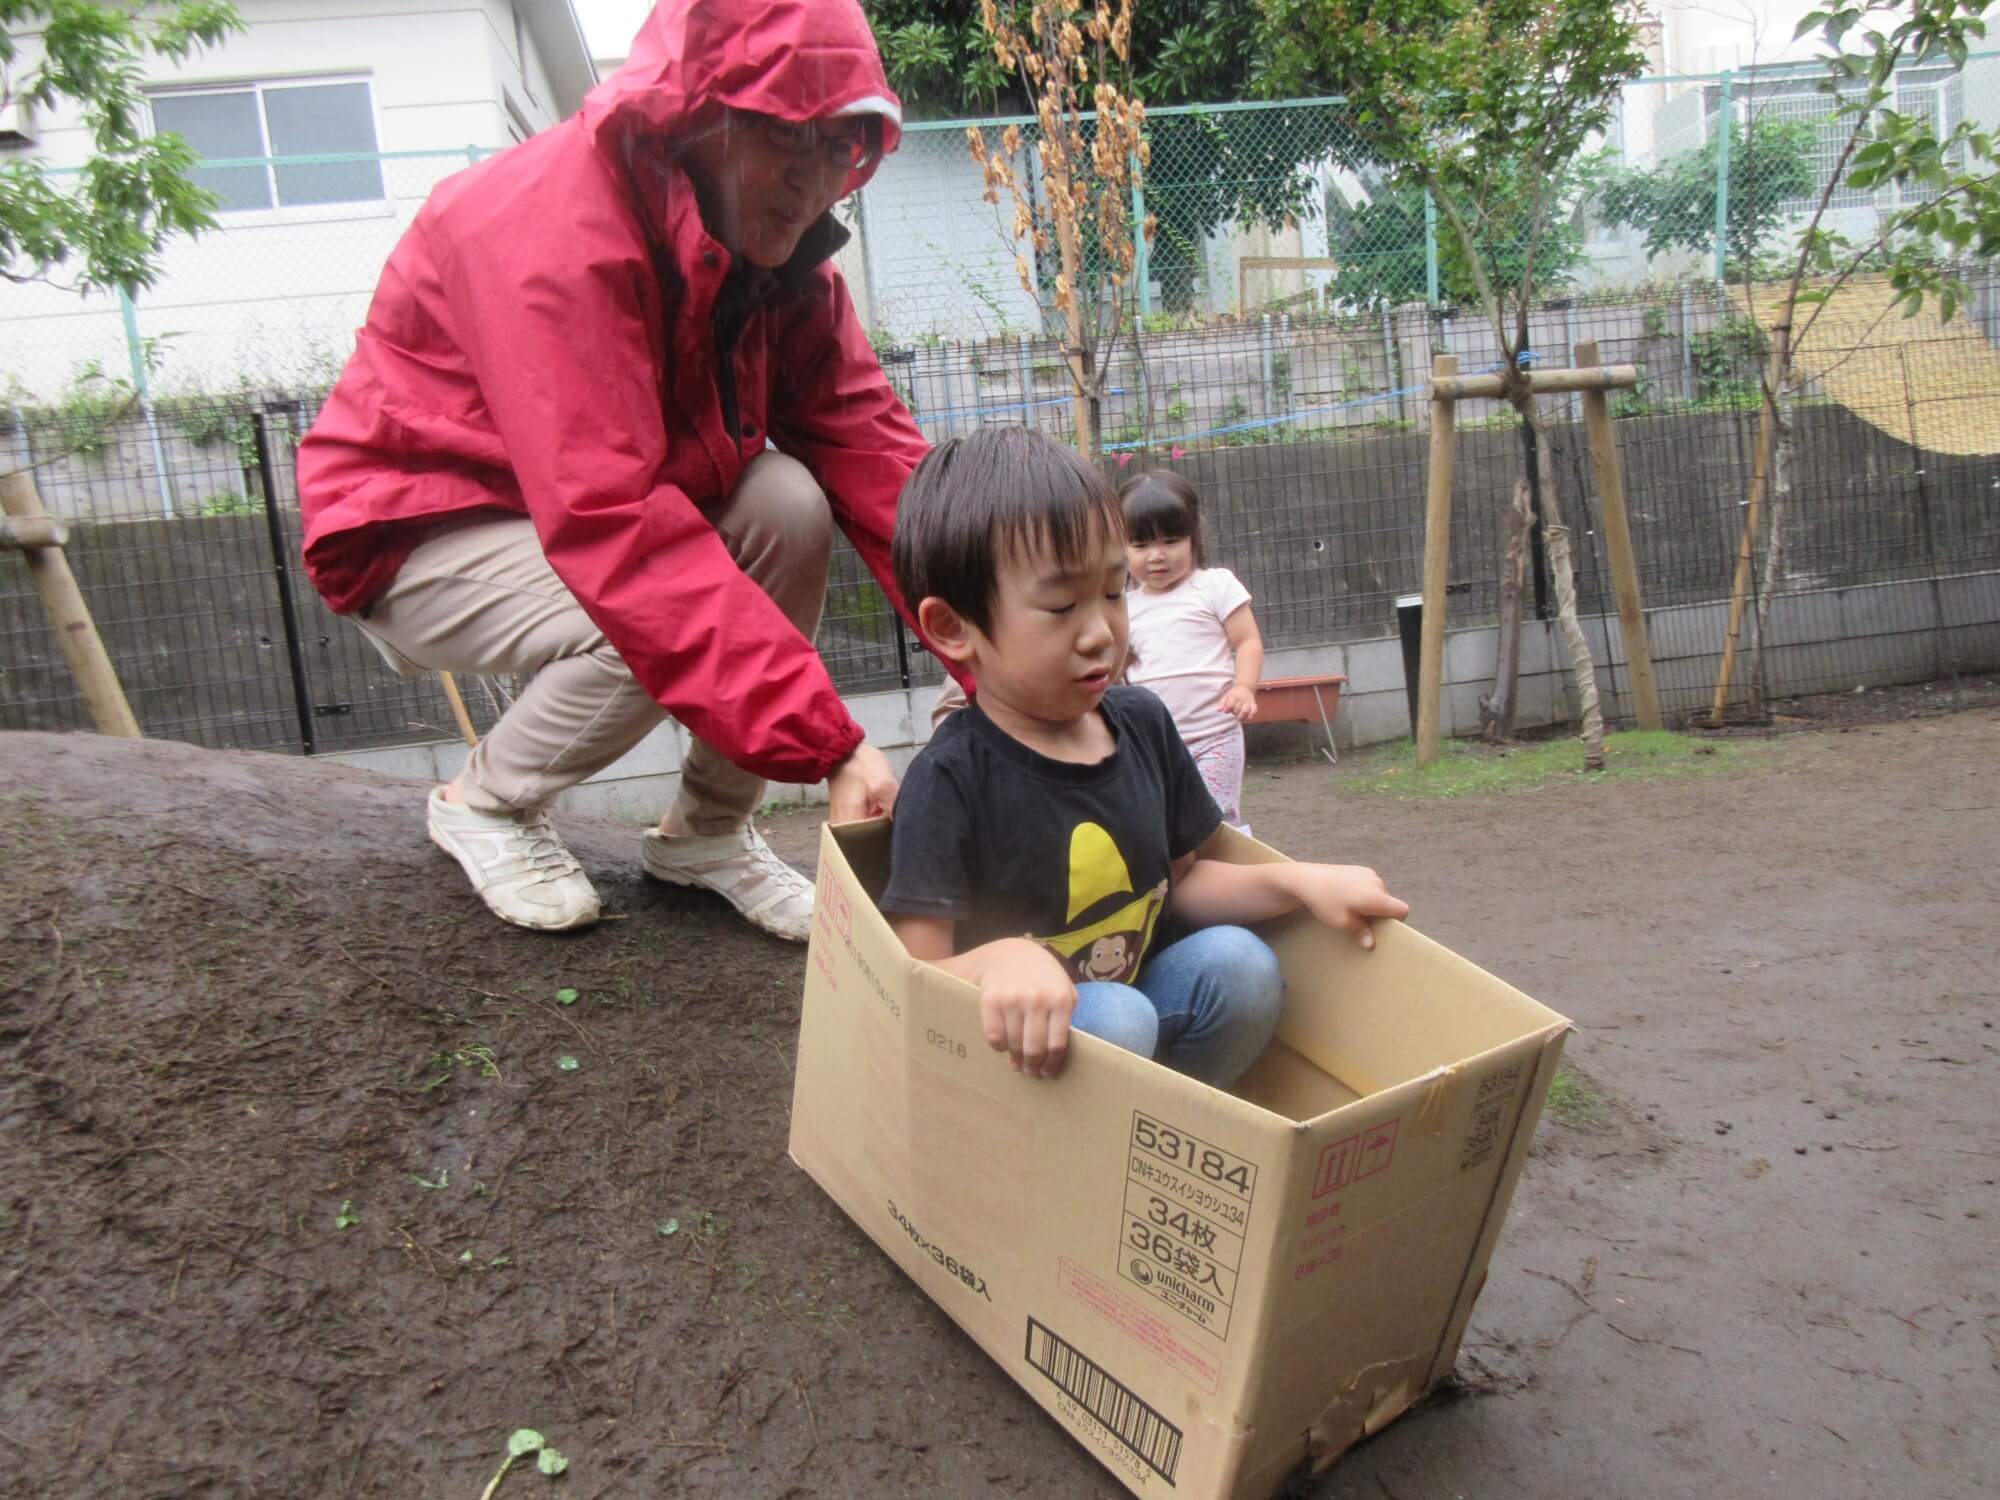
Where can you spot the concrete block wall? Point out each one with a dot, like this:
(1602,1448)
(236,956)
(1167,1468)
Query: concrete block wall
(1374,705)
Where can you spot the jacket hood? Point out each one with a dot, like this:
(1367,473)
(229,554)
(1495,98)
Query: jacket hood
(794,59)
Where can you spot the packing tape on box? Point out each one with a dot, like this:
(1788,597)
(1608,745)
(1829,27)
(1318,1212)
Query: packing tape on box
(1430,1108)
(1343,1422)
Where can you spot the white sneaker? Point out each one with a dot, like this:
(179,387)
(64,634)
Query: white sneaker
(742,869)
(517,864)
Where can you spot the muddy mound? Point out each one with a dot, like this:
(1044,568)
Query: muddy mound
(319,1181)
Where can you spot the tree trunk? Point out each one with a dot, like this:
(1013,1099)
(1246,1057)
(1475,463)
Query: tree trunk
(1776,375)
(1555,537)
(1496,712)
(1772,581)
(1077,352)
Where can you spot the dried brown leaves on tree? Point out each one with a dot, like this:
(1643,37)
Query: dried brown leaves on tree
(1071,177)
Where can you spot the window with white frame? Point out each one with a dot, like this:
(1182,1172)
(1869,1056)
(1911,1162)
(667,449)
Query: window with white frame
(304,117)
(1831,132)
(1936,96)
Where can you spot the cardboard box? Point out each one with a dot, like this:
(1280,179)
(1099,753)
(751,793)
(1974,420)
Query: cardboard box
(1204,1288)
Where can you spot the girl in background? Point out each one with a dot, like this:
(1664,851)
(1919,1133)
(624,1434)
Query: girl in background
(1194,640)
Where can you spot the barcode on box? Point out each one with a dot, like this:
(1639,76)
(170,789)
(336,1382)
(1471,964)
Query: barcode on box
(1150,1436)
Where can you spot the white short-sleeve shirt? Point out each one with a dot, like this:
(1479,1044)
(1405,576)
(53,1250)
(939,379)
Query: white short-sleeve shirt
(1183,650)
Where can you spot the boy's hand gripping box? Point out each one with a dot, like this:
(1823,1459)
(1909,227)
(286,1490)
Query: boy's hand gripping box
(1204,1288)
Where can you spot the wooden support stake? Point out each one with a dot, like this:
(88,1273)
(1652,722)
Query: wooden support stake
(1618,546)
(31,533)
(69,616)
(1437,558)
(457,701)
(1540,382)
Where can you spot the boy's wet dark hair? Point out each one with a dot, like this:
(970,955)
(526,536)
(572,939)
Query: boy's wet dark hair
(1161,506)
(1000,492)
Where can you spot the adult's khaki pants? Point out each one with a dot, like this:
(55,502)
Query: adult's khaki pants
(950,699)
(481,598)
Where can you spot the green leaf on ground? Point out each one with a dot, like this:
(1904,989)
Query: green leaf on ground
(567,1063)
(565,996)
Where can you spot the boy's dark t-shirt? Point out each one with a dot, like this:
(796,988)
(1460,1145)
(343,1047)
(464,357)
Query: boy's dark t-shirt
(1006,842)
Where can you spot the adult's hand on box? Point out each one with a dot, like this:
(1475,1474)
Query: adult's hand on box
(862,786)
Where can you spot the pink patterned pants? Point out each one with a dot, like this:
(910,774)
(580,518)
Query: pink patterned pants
(1219,758)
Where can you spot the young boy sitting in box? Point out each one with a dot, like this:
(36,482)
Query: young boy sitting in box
(1048,832)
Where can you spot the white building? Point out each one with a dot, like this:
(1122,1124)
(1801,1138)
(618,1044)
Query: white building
(385,98)
(930,256)
(1705,64)
(933,260)
(397,93)
(1661,121)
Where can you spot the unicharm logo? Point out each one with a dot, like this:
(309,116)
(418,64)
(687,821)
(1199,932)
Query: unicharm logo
(1181,1287)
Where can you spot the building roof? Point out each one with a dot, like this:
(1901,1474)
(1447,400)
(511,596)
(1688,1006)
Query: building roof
(558,35)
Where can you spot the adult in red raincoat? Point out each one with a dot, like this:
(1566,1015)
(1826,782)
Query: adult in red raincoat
(609,402)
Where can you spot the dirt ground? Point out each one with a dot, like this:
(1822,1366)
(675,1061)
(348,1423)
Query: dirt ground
(300,1194)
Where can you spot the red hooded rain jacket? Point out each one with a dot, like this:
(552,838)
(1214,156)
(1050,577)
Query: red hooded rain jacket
(543,341)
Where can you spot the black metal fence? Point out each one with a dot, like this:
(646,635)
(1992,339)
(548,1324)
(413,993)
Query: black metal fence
(1306,438)
(186,549)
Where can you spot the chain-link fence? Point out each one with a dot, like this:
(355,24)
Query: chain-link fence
(1676,194)
(185,539)
(1308,439)
(1292,303)
(268,300)
(1260,208)
(1279,208)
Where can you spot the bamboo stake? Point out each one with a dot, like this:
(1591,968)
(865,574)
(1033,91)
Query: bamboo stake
(1540,383)
(1437,559)
(457,701)
(89,664)
(1618,545)
(31,533)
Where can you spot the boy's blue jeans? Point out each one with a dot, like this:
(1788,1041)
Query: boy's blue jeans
(1205,1006)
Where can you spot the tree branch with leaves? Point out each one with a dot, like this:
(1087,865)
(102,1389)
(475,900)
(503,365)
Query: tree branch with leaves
(1487,106)
(1948,186)
(136,191)
(1770,168)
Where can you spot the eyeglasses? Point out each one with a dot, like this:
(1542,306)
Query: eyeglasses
(852,153)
